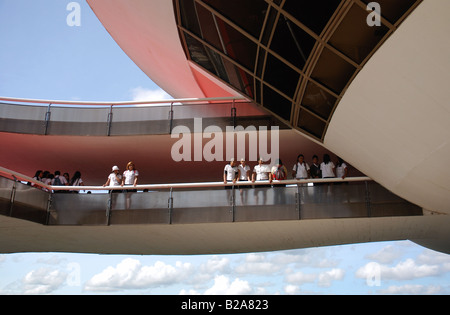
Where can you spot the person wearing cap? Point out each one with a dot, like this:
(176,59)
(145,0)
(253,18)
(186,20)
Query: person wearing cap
(114,179)
(230,173)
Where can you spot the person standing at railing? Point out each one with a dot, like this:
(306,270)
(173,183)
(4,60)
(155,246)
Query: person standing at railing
(114,179)
(341,168)
(279,172)
(301,169)
(76,181)
(230,173)
(327,167)
(315,168)
(130,176)
(244,173)
(38,177)
(59,180)
(261,172)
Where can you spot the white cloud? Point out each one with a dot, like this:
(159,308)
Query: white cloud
(291,289)
(43,281)
(131,274)
(216,264)
(326,278)
(257,264)
(300,278)
(142,94)
(223,286)
(405,270)
(387,254)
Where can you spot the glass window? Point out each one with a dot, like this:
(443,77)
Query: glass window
(247,14)
(276,103)
(333,71)
(208,27)
(198,53)
(354,37)
(238,78)
(281,76)
(189,16)
(311,124)
(313,14)
(292,43)
(318,100)
(269,26)
(237,46)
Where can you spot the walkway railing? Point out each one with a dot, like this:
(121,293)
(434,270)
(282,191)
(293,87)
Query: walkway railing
(53,117)
(188,203)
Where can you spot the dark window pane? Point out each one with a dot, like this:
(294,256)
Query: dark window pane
(237,46)
(315,14)
(292,43)
(333,71)
(281,76)
(318,101)
(269,26)
(198,53)
(311,124)
(354,37)
(189,16)
(276,103)
(208,27)
(238,78)
(249,15)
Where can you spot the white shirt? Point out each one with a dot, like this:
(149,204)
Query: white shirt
(340,170)
(327,169)
(113,179)
(301,170)
(243,170)
(130,176)
(262,172)
(231,172)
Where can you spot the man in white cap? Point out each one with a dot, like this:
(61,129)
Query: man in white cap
(230,173)
(114,179)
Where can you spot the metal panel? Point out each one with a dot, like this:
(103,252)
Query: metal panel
(30,203)
(139,208)
(78,209)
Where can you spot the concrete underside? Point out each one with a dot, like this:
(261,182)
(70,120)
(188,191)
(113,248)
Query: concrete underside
(220,238)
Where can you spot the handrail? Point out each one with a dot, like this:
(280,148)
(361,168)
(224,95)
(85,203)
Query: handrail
(184,185)
(93,103)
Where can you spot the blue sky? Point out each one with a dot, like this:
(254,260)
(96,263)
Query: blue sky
(44,58)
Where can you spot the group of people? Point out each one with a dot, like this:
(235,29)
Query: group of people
(56,179)
(301,170)
(128,178)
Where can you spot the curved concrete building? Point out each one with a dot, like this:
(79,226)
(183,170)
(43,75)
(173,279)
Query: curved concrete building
(364,80)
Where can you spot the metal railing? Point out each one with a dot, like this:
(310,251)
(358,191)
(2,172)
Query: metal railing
(188,203)
(54,117)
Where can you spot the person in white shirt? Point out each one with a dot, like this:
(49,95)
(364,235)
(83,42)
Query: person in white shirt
(130,175)
(301,168)
(261,172)
(244,173)
(341,169)
(327,167)
(230,173)
(114,179)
